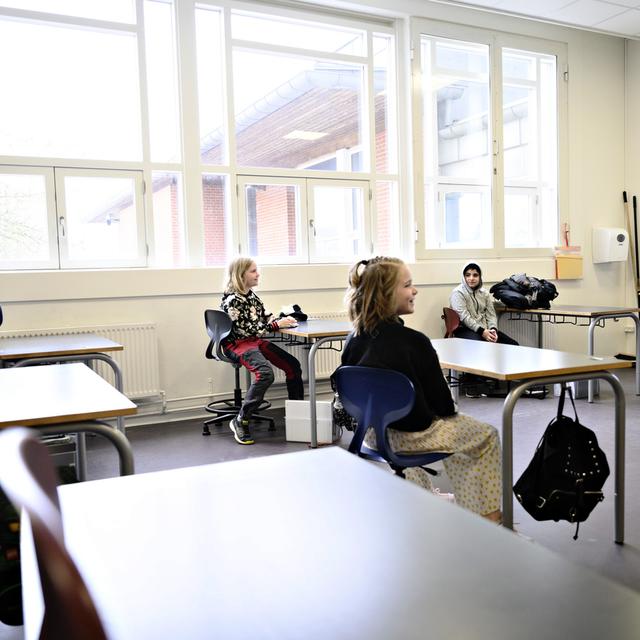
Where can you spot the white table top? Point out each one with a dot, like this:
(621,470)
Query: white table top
(58,393)
(320,329)
(64,345)
(511,362)
(572,310)
(317,545)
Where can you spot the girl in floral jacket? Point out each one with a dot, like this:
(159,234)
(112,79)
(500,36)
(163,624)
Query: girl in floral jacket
(246,345)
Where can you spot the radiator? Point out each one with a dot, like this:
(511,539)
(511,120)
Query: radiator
(525,330)
(327,359)
(138,360)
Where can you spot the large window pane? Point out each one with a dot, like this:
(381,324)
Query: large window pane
(164,127)
(286,111)
(385,99)
(113,10)
(216,223)
(530,148)
(100,220)
(297,33)
(464,219)
(68,92)
(338,223)
(24,228)
(457,143)
(209,42)
(458,85)
(168,219)
(273,214)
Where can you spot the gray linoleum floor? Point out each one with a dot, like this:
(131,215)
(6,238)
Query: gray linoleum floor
(181,444)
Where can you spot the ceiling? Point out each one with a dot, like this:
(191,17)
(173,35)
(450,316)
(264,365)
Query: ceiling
(618,17)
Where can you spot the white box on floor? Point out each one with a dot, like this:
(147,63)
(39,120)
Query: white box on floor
(298,421)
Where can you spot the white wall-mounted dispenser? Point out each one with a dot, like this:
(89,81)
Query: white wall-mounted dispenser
(610,244)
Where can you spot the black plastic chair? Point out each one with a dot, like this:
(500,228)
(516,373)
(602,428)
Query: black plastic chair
(28,477)
(377,398)
(219,325)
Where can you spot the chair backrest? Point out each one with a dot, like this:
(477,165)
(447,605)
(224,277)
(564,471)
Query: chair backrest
(451,321)
(219,326)
(375,398)
(28,477)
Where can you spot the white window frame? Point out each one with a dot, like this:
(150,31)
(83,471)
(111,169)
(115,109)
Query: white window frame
(496,41)
(50,199)
(238,173)
(68,263)
(367,239)
(307,252)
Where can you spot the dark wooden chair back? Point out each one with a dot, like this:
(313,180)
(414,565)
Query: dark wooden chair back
(28,477)
(451,321)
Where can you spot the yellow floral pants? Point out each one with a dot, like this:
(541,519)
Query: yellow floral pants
(474,469)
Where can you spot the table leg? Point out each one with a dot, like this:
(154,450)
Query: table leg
(636,321)
(619,455)
(540,333)
(81,456)
(455,385)
(591,385)
(312,389)
(101,428)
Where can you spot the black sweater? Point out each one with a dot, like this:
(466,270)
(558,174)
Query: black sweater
(394,346)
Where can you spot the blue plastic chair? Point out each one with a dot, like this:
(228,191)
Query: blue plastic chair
(377,398)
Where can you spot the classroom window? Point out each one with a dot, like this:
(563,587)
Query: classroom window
(27,218)
(312,95)
(100,221)
(74,93)
(490,174)
(130,129)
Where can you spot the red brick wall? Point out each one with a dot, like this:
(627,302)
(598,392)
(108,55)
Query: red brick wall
(213,212)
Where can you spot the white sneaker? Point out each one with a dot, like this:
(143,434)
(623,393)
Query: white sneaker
(449,497)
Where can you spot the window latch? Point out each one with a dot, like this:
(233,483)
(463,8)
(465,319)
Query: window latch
(313,227)
(62,228)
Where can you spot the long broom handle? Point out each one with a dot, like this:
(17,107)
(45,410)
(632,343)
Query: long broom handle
(631,237)
(635,237)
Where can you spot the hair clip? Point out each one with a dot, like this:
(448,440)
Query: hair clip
(363,264)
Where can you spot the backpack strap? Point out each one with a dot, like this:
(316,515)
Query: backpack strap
(564,390)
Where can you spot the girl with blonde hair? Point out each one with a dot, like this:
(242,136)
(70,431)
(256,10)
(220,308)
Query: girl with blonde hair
(245,344)
(380,291)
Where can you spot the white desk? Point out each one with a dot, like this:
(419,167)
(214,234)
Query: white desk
(581,315)
(532,366)
(82,347)
(65,398)
(321,546)
(317,332)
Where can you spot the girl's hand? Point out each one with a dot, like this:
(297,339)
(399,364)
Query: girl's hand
(489,335)
(286,322)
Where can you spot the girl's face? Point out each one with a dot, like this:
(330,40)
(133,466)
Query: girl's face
(405,292)
(472,278)
(251,276)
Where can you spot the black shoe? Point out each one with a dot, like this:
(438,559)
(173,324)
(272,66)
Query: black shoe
(241,431)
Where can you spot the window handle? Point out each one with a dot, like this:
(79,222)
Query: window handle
(62,227)
(313,227)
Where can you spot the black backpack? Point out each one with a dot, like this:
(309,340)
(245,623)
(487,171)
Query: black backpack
(525,292)
(565,477)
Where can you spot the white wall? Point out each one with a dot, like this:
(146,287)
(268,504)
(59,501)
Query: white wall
(176,299)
